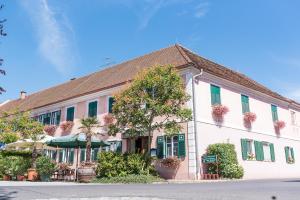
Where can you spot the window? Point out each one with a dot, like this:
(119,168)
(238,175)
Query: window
(294,118)
(274,113)
(70,114)
(92,109)
(169,146)
(111,102)
(82,155)
(51,118)
(245,104)
(255,150)
(215,95)
(289,155)
(116,146)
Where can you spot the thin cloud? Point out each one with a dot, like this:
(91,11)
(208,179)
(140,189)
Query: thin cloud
(201,9)
(54,36)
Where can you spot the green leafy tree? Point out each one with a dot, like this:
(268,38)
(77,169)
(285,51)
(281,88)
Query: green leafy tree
(22,125)
(155,100)
(87,126)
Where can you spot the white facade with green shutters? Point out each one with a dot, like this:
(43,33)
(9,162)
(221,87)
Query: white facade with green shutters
(261,151)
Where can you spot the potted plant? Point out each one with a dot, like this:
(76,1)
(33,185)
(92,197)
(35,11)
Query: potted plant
(86,172)
(290,160)
(21,168)
(167,167)
(50,129)
(250,156)
(218,112)
(67,126)
(249,118)
(45,167)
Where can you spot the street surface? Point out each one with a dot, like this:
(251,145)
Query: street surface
(288,189)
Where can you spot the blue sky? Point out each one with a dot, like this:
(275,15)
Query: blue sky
(51,41)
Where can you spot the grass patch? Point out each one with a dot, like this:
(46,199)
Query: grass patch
(129,179)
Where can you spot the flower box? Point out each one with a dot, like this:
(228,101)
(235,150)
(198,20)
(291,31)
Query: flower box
(279,124)
(67,126)
(50,129)
(108,119)
(249,117)
(218,112)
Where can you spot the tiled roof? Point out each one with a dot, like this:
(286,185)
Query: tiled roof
(121,73)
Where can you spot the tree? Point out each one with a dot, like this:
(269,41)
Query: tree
(88,125)
(2,33)
(22,125)
(155,100)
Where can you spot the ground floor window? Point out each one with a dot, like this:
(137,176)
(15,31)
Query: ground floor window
(289,155)
(256,150)
(169,146)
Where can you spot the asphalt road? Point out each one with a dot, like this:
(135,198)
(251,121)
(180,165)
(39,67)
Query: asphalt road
(235,190)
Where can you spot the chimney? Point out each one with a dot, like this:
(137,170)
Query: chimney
(22,95)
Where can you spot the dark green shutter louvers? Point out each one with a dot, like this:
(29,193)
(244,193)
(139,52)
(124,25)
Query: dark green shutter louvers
(215,95)
(274,113)
(244,149)
(272,152)
(245,104)
(292,154)
(160,147)
(70,113)
(259,154)
(181,145)
(286,150)
(111,102)
(92,109)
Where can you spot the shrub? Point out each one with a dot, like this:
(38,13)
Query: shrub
(226,156)
(112,164)
(9,137)
(233,171)
(23,153)
(129,179)
(14,165)
(45,166)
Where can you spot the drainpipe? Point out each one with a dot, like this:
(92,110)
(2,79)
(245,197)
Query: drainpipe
(198,172)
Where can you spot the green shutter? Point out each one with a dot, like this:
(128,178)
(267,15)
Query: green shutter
(286,149)
(245,104)
(71,156)
(58,114)
(215,95)
(259,153)
(111,102)
(272,152)
(274,113)
(292,154)
(82,155)
(119,146)
(70,113)
(95,154)
(181,145)
(61,154)
(244,149)
(92,109)
(160,147)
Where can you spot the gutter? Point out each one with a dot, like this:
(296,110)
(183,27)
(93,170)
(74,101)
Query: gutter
(198,167)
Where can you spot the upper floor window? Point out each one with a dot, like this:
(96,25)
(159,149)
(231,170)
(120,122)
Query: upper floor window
(294,118)
(274,113)
(92,109)
(215,95)
(70,114)
(111,102)
(51,118)
(245,104)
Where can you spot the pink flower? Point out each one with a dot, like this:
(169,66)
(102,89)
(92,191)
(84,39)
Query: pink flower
(249,117)
(279,124)
(50,129)
(67,126)
(218,112)
(108,119)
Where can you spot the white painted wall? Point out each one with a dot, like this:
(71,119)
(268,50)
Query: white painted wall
(232,130)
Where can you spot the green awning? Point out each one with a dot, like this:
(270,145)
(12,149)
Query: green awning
(75,141)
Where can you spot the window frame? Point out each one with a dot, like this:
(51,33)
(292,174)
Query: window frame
(242,102)
(107,100)
(274,106)
(211,94)
(172,146)
(293,120)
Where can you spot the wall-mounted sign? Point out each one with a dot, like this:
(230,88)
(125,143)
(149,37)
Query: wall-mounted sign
(209,159)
